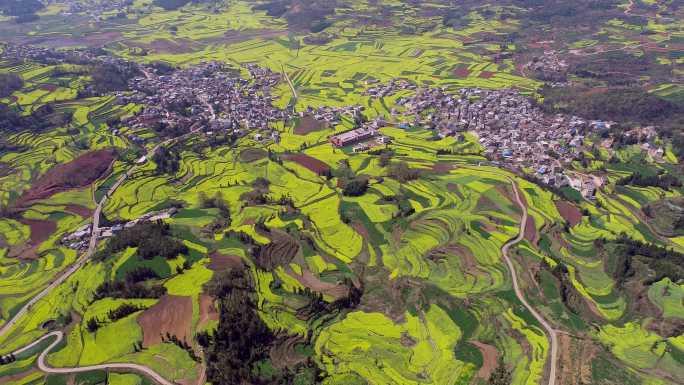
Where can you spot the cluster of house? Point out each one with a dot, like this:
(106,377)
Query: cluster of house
(80,238)
(96,9)
(331,114)
(49,56)
(587,185)
(388,89)
(207,97)
(210,97)
(548,66)
(513,131)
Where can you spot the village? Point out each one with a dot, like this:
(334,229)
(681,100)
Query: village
(513,132)
(212,97)
(49,56)
(206,97)
(79,239)
(97,10)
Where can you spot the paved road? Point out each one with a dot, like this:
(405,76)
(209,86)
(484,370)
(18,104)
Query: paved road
(116,366)
(553,337)
(73,268)
(92,245)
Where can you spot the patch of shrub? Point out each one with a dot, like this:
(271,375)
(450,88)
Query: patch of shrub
(151,239)
(9,83)
(355,187)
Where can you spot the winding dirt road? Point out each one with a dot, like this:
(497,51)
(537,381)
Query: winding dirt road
(116,366)
(553,337)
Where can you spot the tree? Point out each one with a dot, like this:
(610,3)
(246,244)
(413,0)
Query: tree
(403,173)
(92,325)
(385,158)
(151,239)
(170,5)
(20,7)
(355,187)
(111,77)
(242,338)
(9,83)
(168,161)
(501,375)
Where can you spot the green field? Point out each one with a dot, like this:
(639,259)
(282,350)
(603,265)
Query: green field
(436,302)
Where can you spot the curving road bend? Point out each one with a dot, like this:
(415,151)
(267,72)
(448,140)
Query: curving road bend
(92,245)
(73,268)
(553,337)
(116,366)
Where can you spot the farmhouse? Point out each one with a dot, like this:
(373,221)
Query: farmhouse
(352,136)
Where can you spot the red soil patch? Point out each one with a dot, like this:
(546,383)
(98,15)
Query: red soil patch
(308,124)
(48,87)
(486,74)
(443,167)
(490,357)
(79,210)
(462,72)
(569,212)
(309,162)
(59,40)
(172,314)
(78,173)
(596,90)
(531,231)
(655,48)
(207,309)
(466,39)
(178,45)
(41,230)
(283,352)
(221,262)
(361,229)
(309,280)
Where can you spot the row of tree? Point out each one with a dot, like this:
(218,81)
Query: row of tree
(664,181)
(9,83)
(242,339)
(167,161)
(41,119)
(172,338)
(23,10)
(151,238)
(663,261)
(124,289)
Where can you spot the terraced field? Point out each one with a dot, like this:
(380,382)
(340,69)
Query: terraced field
(404,283)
